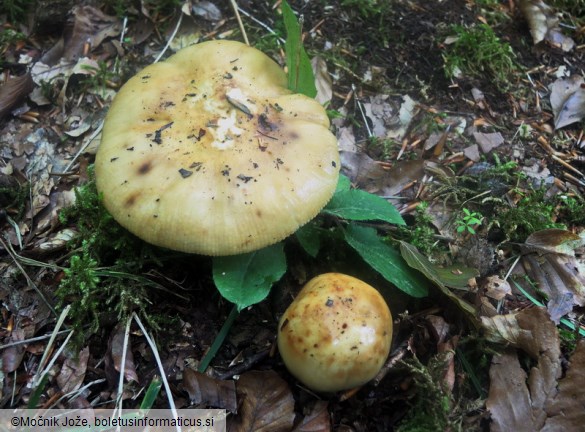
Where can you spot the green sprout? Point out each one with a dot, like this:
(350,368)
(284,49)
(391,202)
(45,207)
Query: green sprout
(468,221)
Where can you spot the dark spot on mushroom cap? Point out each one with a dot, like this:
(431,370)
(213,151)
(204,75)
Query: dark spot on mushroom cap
(144,168)
(131,200)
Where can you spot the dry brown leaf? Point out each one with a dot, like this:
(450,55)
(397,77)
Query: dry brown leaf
(365,173)
(488,141)
(13,355)
(497,288)
(115,349)
(323,81)
(13,92)
(549,260)
(317,421)
(566,411)
(567,99)
(544,24)
(266,404)
(72,372)
(554,240)
(510,402)
(90,26)
(210,391)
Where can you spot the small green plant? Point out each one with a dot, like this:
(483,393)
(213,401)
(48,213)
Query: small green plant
(433,403)
(98,79)
(533,212)
(422,234)
(468,221)
(104,268)
(479,53)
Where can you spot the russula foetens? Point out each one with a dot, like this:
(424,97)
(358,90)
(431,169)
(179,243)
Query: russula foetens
(336,334)
(208,152)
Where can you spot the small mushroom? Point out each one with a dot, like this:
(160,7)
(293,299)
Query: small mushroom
(336,334)
(208,152)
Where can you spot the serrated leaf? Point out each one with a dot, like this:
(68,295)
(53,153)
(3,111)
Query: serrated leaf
(386,260)
(360,205)
(246,279)
(300,73)
(418,261)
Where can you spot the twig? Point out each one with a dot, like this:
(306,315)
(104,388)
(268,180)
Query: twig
(42,370)
(240,23)
(261,24)
(31,340)
(163,375)
(176,29)
(8,247)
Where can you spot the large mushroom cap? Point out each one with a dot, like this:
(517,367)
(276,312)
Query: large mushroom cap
(210,153)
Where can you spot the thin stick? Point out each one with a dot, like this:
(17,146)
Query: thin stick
(240,23)
(163,375)
(170,39)
(8,247)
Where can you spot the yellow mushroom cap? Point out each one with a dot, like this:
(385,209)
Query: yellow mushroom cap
(336,334)
(208,152)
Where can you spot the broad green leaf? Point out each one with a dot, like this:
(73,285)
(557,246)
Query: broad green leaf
(456,276)
(386,260)
(246,279)
(300,73)
(419,262)
(309,236)
(343,184)
(360,205)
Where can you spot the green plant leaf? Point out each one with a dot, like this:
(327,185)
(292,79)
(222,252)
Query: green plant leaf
(386,260)
(246,279)
(151,393)
(343,184)
(300,73)
(360,205)
(456,276)
(309,237)
(419,262)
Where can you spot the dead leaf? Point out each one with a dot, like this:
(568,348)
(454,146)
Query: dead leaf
(266,404)
(317,421)
(115,349)
(555,241)
(517,400)
(207,10)
(210,391)
(508,399)
(488,141)
(323,80)
(13,355)
(90,26)
(544,24)
(72,372)
(13,92)
(565,409)
(549,260)
(567,98)
(497,288)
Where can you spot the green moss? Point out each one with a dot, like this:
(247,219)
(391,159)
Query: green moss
(478,53)
(103,280)
(432,403)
